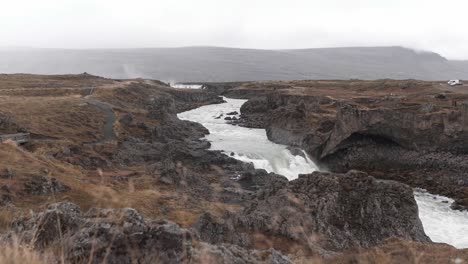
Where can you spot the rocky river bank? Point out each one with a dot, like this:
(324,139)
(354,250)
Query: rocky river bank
(406,131)
(161,194)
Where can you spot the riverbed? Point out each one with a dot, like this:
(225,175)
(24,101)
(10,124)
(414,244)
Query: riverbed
(440,223)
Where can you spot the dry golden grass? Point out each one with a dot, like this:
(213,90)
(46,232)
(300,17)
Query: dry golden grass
(39,104)
(399,252)
(7,216)
(30,81)
(18,254)
(141,191)
(69,118)
(412,91)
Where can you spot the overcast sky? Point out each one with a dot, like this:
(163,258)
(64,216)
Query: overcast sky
(435,25)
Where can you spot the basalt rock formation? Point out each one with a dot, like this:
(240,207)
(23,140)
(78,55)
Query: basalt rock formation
(320,214)
(123,236)
(323,212)
(194,205)
(396,130)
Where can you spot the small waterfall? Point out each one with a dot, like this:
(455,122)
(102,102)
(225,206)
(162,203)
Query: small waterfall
(247,144)
(252,145)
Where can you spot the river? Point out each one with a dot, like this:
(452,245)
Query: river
(252,145)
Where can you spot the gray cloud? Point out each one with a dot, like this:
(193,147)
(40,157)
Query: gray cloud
(272,24)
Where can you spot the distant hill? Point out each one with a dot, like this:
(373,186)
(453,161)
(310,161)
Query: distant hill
(230,64)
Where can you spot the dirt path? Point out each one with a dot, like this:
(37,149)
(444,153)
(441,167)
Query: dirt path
(108,130)
(109,133)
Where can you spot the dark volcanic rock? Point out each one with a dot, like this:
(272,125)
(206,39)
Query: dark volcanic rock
(216,231)
(254,113)
(228,253)
(193,98)
(41,185)
(343,210)
(113,235)
(170,127)
(444,131)
(422,143)
(123,236)
(327,211)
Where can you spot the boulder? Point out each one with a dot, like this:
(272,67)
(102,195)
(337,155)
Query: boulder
(324,212)
(123,236)
(104,235)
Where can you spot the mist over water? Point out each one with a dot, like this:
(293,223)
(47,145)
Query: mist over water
(247,144)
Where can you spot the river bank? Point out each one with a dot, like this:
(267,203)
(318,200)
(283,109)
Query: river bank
(174,190)
(251,145)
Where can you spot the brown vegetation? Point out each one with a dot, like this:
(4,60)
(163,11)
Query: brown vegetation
(66,133)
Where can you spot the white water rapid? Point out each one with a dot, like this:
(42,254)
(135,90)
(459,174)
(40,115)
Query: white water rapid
(247,144)
(441,223)
(252,145)
(186,86)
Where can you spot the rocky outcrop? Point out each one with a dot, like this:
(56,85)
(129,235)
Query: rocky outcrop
(409,128)
(420,142)
(217,231)
(325,212)
(104,235)
(228,253)
(176,155)
(287,119)
(123,236)
(193,98)
(426,150)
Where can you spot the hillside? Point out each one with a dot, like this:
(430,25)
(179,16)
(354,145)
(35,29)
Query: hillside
(229,64)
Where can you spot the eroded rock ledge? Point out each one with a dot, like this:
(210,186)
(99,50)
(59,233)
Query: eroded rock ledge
(410,133)
(322,213)
(319,214)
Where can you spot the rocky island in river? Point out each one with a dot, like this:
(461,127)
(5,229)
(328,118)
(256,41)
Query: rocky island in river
(112,173)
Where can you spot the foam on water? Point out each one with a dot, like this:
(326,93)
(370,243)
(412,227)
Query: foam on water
(252,145)
(248,144)
(186,86)
(441,223)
